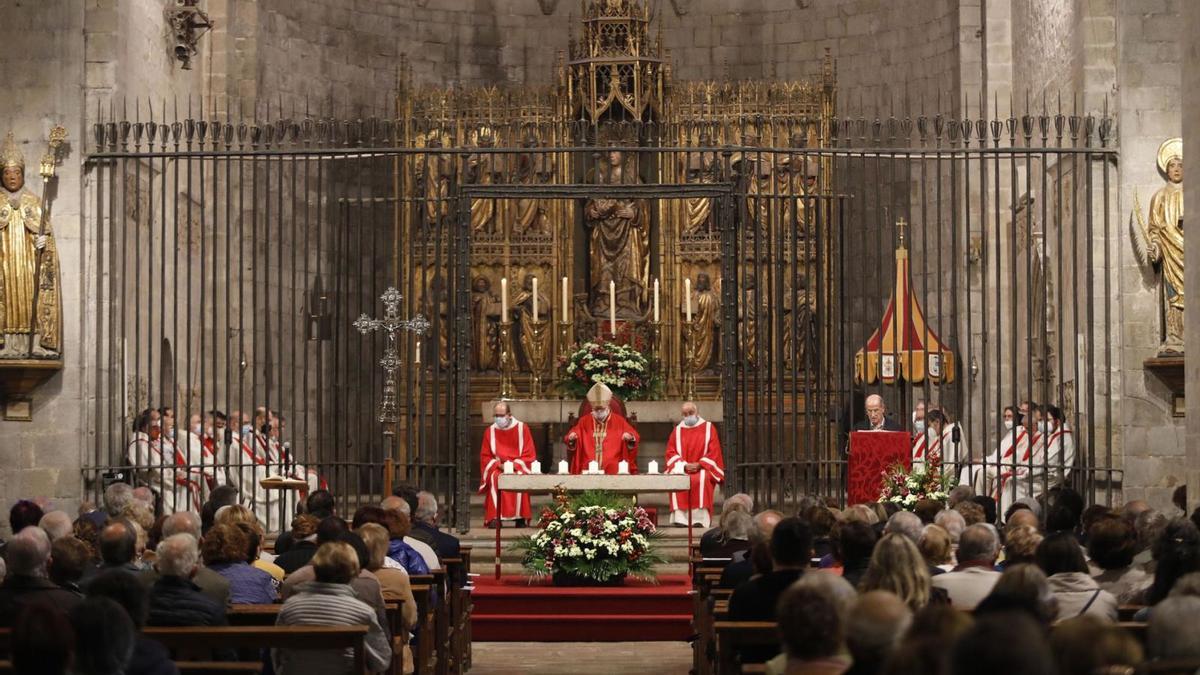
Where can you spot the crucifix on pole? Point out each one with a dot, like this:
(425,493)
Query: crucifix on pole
(391,324)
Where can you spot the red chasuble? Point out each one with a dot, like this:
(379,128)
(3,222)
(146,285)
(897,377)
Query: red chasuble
(614,448)
(514,444)
(696,445)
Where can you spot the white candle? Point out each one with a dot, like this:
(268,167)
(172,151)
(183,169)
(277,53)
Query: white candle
(417,357)
(535,307)
(623,467)
(535,467)
(508,466)
(504,299)
(563,467)
(612,308)
(564,302)
(593,467)
(656,315)
(687,299)
(653,467)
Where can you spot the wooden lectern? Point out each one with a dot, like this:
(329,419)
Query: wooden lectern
(871,454)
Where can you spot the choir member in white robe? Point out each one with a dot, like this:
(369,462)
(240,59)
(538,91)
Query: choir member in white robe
(506,440)
(159,466)
(1009,477)
(694,447)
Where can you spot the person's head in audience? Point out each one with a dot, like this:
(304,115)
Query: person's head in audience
(791,545)
(116,497)
(1149,526)
(740,500)
(952,522)
(1064,508)
(905,523)
(25,513)
(1002,643)
(139,513)
(177,556)
(876,623)
(43,642)
(182,522)
(87,531)
(935,545)
(1174,632)
(236,514)
(959,494)
(1085,645)
(882,511)
(427,509)
(1059,553)
(367,514)
(409,494)
(1179,497)
(1133,508)
(253,542)
(923,648)
(144,496)
(855,543)
(304,527)
(989,508)
(104,637)
(118,543)
(396,505)
(125,589)
(224,545)
(1022,517)
(224,495)
(155,534)
(28,553)
(1178,553)
(860,513)
(762,528)
(810,626)
(331,529)
(897,566)
(398,524)
(1188,584)
(360,548)
(838,590)
(376,538)
(1021,588)
(927,510)
(319,504)
(57,524)
(971,512)
(1092,514)
(821,520)
(978,546)
(736,526)
(69,560)
(1112,543)
(335,562)
(1021,544)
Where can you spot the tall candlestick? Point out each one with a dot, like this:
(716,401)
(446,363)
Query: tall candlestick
(687,299)
(612,307)
(564,302)
(504,299)
(656,315)
(535,318)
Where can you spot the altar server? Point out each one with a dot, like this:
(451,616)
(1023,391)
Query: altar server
(695,448)
(508,439)
(158,464)
(604,436)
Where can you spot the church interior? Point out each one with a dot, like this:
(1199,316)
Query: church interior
(317,272)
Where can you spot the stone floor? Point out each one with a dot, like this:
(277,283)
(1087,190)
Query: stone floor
(580,658)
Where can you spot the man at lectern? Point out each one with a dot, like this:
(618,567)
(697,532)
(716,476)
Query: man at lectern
(877,419)
(506,440)
(603,436)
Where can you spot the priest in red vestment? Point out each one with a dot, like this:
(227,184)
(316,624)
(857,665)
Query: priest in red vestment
(506,440)
(605,430)
(695,449)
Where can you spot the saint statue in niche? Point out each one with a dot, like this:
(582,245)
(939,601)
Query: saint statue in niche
(619,241)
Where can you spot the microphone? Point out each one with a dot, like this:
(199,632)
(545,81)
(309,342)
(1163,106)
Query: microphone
(288,464)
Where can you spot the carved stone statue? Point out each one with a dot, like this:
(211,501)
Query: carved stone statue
(522,309)
(758,169)
(24,330)
(748,313)
(533,168)
(436,302)
(701,168)
(796,178)
(1161,243)
(485,314)
(706,316)
(619,249)
(483,168)
(434,175)
(805,324)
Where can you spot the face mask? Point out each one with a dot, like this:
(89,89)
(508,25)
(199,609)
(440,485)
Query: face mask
(1041,427)
(691,420)
(247,430)
(919,426)
(1008,424)
(600,414)
(502,421)
(197,429)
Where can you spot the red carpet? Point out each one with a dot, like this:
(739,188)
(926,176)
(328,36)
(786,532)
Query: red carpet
(510,609)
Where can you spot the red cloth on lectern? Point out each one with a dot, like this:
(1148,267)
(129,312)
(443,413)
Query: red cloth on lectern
(700,445)
(871,454)
(514,444)
(614,448)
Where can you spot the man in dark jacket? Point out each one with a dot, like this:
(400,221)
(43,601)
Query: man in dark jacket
(214,586)
(26,583)
(149,656)
(174,599)
(425,519)
(756,599)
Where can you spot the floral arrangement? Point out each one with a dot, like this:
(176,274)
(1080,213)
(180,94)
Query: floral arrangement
(594,537)
(905,487)
(625,370)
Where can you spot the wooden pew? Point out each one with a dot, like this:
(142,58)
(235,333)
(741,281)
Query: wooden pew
(705,581)
(1127,612)
(262,637)
(1170,667)
(732,636)
(468,607)
(422,648)
(459,612)
(266,615)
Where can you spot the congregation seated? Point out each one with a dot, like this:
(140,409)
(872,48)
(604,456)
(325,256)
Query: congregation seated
(329,600)
(758,559)
(1021,588)
(104,637)
(303,538)
(118,547)
(224,551)
(1177,553)
(1074,589)
(26,581)
(791,549)
(1086,645)
(874,627)
(717,542)
(974,575)
(987,648)
(393,580)
(897,566)
(245,520)
(69,561)
(1174,632)
(425,527)
(214,586)
(402,525)
(364,584)
(318,505)
(175,600)
(935,547)
(855,541)
(1112,544)
(124,588)
(1020,545)
(811,633)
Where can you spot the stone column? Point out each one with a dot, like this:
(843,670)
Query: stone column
(1190,88)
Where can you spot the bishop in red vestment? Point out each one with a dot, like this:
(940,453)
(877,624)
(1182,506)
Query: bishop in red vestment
(615,437)
(506,440)
(695,449)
